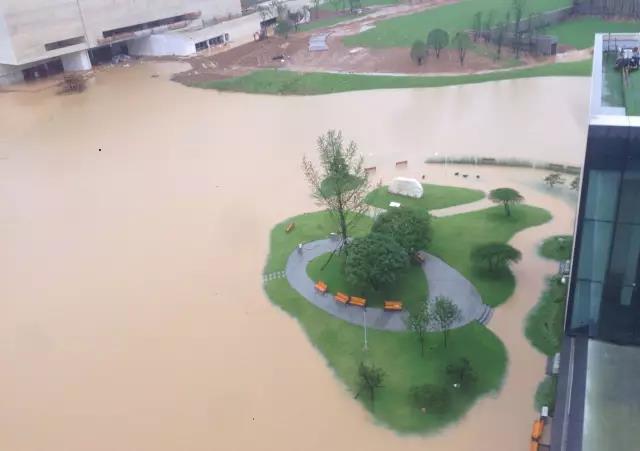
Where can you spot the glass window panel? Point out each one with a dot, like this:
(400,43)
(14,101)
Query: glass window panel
(629,210)
(602,195)
(586,304)
(594,250)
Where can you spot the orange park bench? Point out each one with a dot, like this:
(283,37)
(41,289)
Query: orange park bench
(538,427)
(393,306)
(321,286)
(290,227)
(360,302)
(341,297)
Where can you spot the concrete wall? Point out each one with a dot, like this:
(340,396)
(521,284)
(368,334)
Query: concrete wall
(183,43)
(33,23)
(6,48)
(30,24)
(162,45)
(10,74)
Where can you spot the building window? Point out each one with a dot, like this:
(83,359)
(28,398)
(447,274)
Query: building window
(64,43)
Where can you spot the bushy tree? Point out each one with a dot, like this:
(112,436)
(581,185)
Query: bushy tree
(507,197)
(445,313)
(554,179)
(477,25)
(370,378)
(501,31)
(418,52)
(495,255)
(461,374)
(340,183)
(374,261)
(430,398)
(283,28)
(409,227)
(575,183)
(518,12)
(462,43)
(488,26)
(418,323)
(437,39)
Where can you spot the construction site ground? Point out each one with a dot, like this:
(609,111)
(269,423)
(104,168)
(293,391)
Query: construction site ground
(293,53)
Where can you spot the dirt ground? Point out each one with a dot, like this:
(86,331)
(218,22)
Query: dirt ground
(218,64)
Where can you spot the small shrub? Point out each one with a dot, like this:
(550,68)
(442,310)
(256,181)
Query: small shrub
(430,398)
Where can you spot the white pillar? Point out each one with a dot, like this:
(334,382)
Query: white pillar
(76,61)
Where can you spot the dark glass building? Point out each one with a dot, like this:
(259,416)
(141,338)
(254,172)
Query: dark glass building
(598,397)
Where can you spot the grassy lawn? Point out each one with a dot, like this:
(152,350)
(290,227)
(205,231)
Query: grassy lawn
(402,31)
(435,197)
(329,21)
(397,353)
(579,33)
(545,323)
(455,236)
(309,227)
(557,248)
(410,288)
(315,83)
(546,393)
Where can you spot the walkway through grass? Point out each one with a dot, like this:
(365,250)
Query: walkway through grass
(410,287)
(397,352)
(315,83)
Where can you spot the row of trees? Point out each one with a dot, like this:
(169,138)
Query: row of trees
(556,178)
(437,40)
(435,398)
(441,312)
(523,30)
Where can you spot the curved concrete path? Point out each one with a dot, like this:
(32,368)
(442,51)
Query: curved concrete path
(443,280)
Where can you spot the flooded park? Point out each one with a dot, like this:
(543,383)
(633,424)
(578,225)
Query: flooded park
(135,219)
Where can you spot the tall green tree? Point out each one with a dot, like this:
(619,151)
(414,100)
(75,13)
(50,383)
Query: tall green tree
(370,378)
(437,39)
(501,31)
(477,25)
(488,26)
(374,261)
(418,52)
(445,313)
(518,12)
(495,255)
(418,323)
(507,197)
(462,43)
(409,227)
(340,183)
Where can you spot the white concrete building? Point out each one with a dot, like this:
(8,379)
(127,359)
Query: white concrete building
(39,37)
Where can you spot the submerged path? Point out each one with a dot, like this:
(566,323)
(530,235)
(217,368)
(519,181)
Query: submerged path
(443,280)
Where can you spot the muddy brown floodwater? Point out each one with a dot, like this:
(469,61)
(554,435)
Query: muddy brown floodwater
(132,315)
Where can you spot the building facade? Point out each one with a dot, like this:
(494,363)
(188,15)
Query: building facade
(60,33)
(598,403)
